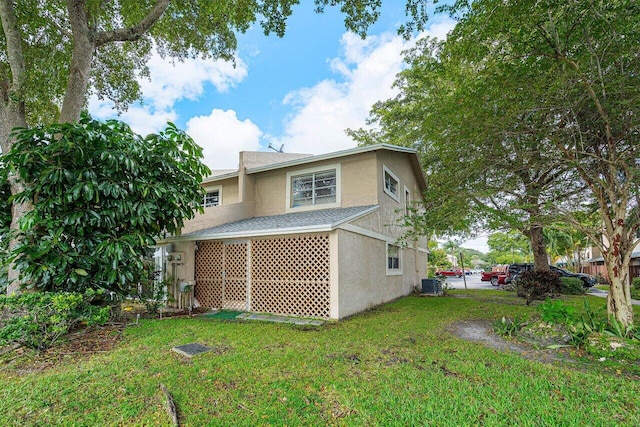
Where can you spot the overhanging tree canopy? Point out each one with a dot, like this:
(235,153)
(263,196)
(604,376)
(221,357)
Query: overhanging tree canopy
(561,76)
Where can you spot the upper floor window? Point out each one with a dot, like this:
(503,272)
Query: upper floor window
(407,201)
(211,198)
(391,184)
(314,187)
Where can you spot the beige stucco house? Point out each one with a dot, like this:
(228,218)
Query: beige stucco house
(295,234)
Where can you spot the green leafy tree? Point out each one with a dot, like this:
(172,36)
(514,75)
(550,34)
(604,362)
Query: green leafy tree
(437,259)
(100,194)
(579,61)
(549,90)
(477,168)
(508,248)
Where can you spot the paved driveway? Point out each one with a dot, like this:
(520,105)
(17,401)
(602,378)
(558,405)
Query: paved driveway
(473,282)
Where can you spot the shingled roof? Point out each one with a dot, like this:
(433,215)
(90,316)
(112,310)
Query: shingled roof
(298,222)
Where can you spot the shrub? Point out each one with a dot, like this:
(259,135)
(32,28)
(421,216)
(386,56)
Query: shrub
(100,196)
(538,285)
(556,311)
(571,286)
(635,288)
(507,327)
(38,319)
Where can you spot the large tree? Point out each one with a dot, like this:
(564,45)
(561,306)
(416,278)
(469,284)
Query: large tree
(481,153)
(55,53)
(565,74)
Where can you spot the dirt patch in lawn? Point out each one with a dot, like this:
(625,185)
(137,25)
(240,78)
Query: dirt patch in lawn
(481,331)
(77,345)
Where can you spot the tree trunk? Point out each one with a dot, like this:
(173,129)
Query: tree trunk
(539,248)
(81,59)
(12,113)
(617,258)
(12,116)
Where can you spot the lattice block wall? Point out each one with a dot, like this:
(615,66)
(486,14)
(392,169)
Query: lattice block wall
(291,276)
(234,293)
(208,289)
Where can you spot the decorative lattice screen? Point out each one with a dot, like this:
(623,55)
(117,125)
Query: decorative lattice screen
(208,289)
(288,275)
(234,291)
(291,276)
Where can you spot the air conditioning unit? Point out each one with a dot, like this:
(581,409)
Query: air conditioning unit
(431,287)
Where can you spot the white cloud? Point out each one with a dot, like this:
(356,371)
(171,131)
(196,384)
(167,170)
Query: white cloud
(365,73)
(222,136)
(170,83)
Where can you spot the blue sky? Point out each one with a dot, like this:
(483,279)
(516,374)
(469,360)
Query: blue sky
(302,90)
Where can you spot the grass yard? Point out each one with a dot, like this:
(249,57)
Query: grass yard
(395,365)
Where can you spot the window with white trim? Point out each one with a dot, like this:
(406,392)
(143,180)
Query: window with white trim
(315,188)
(211,198)
(391,184)
(394,262)
(407,201)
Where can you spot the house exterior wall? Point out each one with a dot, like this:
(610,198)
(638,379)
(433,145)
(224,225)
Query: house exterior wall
(357,184)
(217,215)
(385,221)
(362,275)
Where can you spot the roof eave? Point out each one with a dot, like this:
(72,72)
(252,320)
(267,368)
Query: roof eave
(328,156)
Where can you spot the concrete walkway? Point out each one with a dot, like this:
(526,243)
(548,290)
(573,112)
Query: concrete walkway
(603,294)
(279,319)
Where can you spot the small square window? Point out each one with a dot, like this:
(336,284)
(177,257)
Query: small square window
(313,188)
(212,198)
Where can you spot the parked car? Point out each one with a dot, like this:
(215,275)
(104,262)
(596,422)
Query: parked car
(516,270)
(588,280)
(450,273)
(497,276)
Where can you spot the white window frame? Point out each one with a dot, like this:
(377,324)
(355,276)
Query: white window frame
(336,204)
(407,200)
(393,271)
(208,190)
(396,196)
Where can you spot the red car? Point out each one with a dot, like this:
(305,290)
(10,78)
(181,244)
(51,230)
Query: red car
(495,277)
(450,273)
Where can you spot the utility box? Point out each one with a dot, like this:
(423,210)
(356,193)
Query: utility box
(431,286)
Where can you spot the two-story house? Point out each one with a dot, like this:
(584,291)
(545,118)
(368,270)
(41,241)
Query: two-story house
(303,235)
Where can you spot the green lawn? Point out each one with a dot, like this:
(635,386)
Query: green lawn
(396,365)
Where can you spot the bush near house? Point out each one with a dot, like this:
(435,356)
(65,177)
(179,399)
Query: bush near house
(571,286)
(635,288)
(100,194)
(38,319)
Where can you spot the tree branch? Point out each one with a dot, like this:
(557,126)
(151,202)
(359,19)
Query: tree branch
(135,32)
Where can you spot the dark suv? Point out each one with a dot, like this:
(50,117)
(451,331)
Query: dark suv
(515,270)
